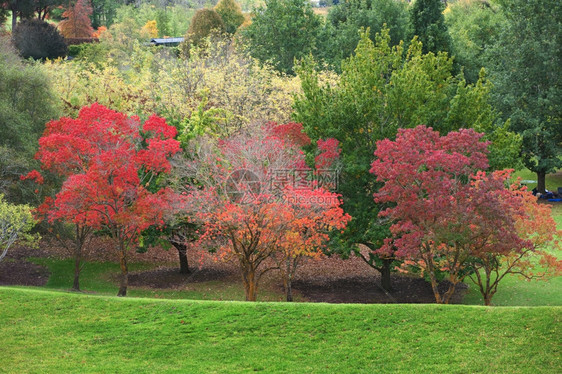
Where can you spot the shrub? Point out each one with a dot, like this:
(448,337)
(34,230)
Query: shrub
(75,50)
(39,40)
(26,104)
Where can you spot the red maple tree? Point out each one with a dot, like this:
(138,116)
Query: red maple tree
(449,216)
(525,246)
(109,162)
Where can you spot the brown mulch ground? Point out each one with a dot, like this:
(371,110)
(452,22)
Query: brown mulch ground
(330,280)
(16,270)
(170,278)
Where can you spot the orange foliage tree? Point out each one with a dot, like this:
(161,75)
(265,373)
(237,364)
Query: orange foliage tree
(76,22)
(251,213)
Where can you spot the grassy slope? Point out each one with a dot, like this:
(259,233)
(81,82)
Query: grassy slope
(46,331)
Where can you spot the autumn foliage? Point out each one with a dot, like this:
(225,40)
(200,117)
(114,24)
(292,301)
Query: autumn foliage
(450,217)
(109,162)
(76,22)
(253,214)
(532,223)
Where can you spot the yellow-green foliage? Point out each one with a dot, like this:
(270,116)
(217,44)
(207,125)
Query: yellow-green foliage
(172,20)
(148,80)
(77,85)
(15,223)
(150,29)
(232,81)
(231,14)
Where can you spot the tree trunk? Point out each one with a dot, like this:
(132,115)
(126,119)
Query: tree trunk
(541,182)
(385,275)
(182,253)
(78,245)
(488,299)
(434,287)
(289,290)
(14,19)
(124,275)
(250,286)
(449,294)
(76,284)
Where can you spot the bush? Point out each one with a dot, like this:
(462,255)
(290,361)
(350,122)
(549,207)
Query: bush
(39,40)
(75,50)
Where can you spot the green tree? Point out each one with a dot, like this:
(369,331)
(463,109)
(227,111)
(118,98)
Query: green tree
(378,92)
(526,67)
(18,8)
(282,31)
(340,35)
(3,16)
(231,14)
(26,104)
(474,26)
(428,23)
(104,12)
(163,22)
(43,8)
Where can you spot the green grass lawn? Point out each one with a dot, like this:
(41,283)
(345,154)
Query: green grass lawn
(54,332)
(553,181)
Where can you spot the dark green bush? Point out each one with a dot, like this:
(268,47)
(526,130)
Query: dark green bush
(39,40)
(75,50)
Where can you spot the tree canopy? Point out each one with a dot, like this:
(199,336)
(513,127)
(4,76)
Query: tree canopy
(108,161)
(282,31)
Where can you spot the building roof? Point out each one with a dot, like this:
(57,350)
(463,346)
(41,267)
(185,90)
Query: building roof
(161,41)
